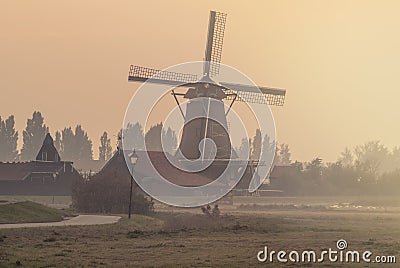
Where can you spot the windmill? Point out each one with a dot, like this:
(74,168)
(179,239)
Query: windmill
(206,96)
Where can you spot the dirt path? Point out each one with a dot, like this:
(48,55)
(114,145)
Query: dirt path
(79,220)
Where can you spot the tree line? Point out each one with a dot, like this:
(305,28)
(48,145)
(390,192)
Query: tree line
(367,169)
(155,139)
(260,147)
(73,143)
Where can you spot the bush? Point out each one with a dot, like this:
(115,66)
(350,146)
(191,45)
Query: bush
(108,193)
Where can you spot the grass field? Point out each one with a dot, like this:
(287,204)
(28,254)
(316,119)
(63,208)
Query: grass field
(28,211)
(52,201)
(186,238)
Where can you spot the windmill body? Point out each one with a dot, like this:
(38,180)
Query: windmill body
(205,116)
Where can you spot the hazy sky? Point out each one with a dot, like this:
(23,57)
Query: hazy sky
(338,60)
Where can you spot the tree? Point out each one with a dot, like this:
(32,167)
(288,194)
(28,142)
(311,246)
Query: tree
(256,146)
(105,149)
(83,145)
(157,139)
(57,142)
(153,138)
(67,146)
(8,140)
(313,174)
(370,159)
(316,163)
(346,158)
(342,179)
(170,141)
(277,159)
(394,159)
(284,154)
(267,149)
(244,149)
(75,146)
(298,165)
(33,136)
(133,136)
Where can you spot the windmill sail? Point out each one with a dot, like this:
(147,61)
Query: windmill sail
(216,30)
(143,74)
(254,94)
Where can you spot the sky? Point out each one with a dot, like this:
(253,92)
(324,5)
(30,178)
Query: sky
(338,60)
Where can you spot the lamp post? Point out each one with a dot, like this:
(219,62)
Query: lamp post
(133,157)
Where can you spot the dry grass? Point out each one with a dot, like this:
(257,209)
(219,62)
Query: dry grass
(194,240)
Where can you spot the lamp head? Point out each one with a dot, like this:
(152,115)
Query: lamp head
(133,157)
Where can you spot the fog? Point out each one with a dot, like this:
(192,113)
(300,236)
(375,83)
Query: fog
(338,60)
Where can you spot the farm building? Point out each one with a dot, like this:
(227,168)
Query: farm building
(117,166)
(175,173)
(47,175)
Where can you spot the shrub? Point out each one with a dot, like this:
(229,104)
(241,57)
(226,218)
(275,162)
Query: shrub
(108,193)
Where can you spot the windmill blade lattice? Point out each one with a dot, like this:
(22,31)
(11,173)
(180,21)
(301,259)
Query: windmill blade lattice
(143,74)
(216,30)
(253,94)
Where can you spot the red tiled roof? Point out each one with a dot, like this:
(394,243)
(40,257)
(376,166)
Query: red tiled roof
(161,164)
(14,171)
(174,173)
